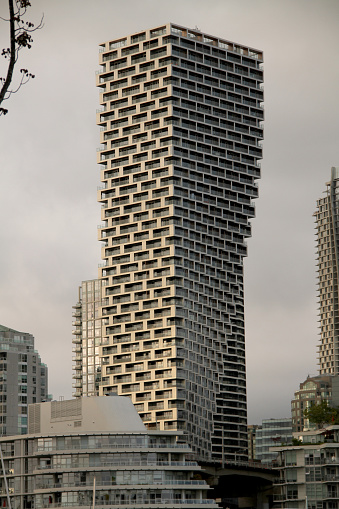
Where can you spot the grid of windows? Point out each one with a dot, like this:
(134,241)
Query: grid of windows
(127,470)
(326,219)
(23,380)
(180,144)
(87,339)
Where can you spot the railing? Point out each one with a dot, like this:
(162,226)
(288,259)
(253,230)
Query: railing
(109,483)
(330,478)
(291,496)
(118,446)
(170,502)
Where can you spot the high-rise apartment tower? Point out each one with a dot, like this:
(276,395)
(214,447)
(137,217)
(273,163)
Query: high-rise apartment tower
(181,126)
(23,380)
(87,333)
(327,238)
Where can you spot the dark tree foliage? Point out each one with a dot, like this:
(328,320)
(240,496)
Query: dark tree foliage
(322,414)
(20,37)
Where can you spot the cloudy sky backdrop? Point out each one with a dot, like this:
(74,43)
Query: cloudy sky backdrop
(48,207)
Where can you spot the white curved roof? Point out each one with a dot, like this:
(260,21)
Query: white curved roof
(111,414)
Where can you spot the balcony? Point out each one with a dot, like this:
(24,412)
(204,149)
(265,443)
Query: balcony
(132,369)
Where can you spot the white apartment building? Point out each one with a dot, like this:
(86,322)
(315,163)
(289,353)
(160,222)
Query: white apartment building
(309,471)
(96,452)
(326,221)
(181,131)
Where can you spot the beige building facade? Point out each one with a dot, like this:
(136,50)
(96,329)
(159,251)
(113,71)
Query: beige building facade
(181,126)
(311,392)
(326,224)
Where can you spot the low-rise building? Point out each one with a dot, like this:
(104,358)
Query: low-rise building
(309,472)
(97,452)
(272,432)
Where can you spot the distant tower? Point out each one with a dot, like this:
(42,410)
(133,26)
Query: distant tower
(313,391)
(181,138)
(327,224)
(23,380)
(86,339)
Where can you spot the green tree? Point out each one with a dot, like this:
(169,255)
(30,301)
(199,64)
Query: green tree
(322,414)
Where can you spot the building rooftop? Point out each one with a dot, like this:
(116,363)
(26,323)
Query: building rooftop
(194,34)
(3,328)
(93,414)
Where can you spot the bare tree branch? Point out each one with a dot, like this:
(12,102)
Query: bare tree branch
(10,69)
(20,38)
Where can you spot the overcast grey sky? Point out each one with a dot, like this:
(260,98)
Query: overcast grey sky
(49,175)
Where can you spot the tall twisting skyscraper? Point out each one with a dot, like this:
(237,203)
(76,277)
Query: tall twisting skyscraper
(181,124)
(327,227)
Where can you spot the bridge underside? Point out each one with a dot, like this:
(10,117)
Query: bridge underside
(234,487)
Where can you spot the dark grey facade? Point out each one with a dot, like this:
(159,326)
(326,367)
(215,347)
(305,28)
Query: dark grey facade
(23,380)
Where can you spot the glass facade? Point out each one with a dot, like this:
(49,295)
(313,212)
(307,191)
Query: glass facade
(272,432)
(118,469)
(87,339)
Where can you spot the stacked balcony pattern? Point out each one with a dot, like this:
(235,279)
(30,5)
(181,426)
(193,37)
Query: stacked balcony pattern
(327,241)
(181,125)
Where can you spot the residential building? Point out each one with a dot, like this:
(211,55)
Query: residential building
(23,379)
(327,224)
(309,472)
(272,432)
(87,334)
(181,131)
(313,391)
(96,452)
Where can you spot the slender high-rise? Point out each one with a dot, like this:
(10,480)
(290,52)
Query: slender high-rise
(327,239)
(87,339)
(181,126)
